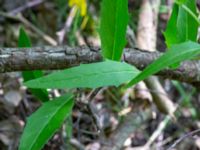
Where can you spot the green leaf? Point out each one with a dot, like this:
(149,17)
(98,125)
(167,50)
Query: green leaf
(171,30)
(186,25)
(41,94)
(176,54)
(182,26)
(45,121)
(87,76)
(114,20)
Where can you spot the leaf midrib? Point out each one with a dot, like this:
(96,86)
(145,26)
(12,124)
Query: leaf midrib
(115,30)
(96,74)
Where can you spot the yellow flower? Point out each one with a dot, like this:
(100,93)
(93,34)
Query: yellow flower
(81,4)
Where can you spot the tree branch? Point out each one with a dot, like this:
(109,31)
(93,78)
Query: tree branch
(49,58)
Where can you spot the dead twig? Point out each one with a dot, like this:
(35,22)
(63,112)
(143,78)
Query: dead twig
(190,134)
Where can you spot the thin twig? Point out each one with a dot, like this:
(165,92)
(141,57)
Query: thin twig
(68,23)
(190,134)
(27,23)
(24,7)
(77,144)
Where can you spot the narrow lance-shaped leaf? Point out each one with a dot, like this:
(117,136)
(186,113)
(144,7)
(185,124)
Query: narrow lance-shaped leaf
(176,54)
(45,121)
(41,94)
(87,75)
(171,30)
(182,26)
(114,20)
(187,26)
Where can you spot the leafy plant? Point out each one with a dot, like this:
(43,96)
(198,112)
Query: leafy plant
(88,75)
(103,73)
(114,19)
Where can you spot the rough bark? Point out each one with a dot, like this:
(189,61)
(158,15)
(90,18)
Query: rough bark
(49,58)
